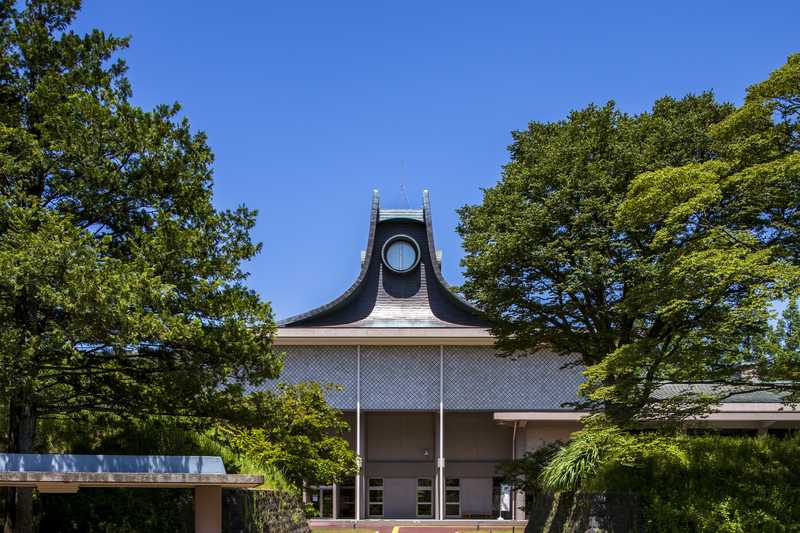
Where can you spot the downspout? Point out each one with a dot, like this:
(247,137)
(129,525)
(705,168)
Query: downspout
(441,507)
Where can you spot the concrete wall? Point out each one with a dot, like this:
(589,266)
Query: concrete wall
(400,498)
(400,436)
(476,437)
(538,434)
(476,496)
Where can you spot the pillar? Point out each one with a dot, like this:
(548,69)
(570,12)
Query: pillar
(440,507)
(208,509)
(335,501)
(359,474)
(520,447)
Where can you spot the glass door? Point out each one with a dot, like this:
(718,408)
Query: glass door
(452,498)
(375,497)
(347,498)
(322,499)
(424,497)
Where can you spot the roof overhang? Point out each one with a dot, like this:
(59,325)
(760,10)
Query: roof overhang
(71,481)
(723,413)
(458,336)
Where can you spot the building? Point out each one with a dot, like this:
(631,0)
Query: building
(433,409)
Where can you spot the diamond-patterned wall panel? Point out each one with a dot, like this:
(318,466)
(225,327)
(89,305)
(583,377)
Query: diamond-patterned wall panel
(475,378)
(399,377)
(325,365)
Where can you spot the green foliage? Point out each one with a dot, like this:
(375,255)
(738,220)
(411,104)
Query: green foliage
(122,294)
(777,351)
(120,284)
(711,483)
(524,473)
(650,246)
(686,484)
(288,436)
(722,239)
(117,511)
(545,257)
(302,439)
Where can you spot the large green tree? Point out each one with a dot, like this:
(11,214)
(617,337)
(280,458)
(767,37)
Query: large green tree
(546,257)
(652,246)
(723,244)
(120,283)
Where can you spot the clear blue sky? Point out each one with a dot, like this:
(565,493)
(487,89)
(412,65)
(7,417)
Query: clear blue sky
(311,105)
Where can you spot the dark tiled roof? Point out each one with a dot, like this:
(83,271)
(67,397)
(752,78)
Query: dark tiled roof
(730,394)
(381,298)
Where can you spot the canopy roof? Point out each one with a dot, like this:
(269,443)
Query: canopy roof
(67,473)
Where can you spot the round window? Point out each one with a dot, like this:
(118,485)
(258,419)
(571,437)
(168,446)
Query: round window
(401,254)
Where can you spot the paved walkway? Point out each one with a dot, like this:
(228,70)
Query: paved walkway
(423,526)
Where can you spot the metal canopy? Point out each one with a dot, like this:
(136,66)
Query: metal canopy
(67,473)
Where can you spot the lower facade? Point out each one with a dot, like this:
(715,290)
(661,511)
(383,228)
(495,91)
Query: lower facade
(412,471)
(443,465)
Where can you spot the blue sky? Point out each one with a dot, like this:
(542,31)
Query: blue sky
(311,105)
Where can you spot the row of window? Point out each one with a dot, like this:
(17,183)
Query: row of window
(452,497)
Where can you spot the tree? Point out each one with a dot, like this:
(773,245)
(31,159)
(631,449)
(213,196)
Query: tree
(546,256)
(722,241)
(777,352)
(302,440)
(121,288)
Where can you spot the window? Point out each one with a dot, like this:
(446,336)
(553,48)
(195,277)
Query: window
(401,253)
(347,498)
(424,497)
(452,497)
(375,497)
(501,499)
(322,499)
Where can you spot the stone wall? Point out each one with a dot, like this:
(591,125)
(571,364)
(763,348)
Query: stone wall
(262,511)
(584,512)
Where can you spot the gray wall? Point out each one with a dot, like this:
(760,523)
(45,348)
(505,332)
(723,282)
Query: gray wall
(400,498)
(407,377)
(476,437)
(476,496)
(400,436)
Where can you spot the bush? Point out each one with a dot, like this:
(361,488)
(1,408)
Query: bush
(705,484)
(116,511)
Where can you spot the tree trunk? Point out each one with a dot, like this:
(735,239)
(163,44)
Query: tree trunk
(22,431)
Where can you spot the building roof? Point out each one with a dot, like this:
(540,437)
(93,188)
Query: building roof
(67,473)
(63,462)
(728,393)
(384,298)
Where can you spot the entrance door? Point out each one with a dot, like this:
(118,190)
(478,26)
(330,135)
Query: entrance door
(347,498)
(452,498)
(375,497)
(424,497)
(322,498)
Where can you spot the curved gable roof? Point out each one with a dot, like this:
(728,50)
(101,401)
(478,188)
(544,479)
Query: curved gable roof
(382,298)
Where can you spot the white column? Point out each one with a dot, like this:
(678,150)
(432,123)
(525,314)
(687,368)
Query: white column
(359,483)
(207,509)
(440,463)
(335,501)
(520,446)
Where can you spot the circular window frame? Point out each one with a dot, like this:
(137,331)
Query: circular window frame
(392,240)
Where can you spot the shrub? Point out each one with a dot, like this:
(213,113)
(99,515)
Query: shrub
(704,484)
